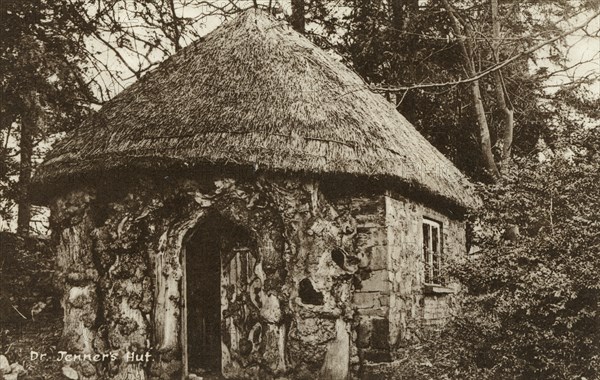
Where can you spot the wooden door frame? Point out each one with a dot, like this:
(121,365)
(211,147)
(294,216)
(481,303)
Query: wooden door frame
(184,309)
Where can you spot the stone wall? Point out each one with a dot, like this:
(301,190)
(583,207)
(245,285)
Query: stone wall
(417,310)
(119,250)
(394,308)
(372,291)
(337,277)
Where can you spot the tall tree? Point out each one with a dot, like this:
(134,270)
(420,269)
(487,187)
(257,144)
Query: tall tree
(42,87)
(460,69)
(31,122)
(465,34)
(298,16)
(502,97)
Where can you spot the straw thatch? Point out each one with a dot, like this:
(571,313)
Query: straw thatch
(254,92)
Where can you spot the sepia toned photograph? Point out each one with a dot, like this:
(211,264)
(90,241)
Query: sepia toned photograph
(299,190)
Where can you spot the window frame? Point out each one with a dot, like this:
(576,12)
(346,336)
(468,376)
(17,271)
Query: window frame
(432,259)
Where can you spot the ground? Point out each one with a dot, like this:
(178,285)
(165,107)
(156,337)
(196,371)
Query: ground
(26,288)
(41,336)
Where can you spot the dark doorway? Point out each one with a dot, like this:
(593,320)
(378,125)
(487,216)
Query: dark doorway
(219,256)
(203,287)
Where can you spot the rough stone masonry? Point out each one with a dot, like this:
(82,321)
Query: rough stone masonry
(335,278)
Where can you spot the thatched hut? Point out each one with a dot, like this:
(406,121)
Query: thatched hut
(250,208)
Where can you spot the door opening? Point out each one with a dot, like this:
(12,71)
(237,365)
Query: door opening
(222,303)
(203,301)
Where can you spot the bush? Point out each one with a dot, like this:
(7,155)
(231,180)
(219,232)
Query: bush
(532,310)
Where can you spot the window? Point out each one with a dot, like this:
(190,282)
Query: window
(432,251)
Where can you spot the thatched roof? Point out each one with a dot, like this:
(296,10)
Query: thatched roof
(256,93)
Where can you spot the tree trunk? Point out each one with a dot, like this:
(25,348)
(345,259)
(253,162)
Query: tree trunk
(401,10)
(176,39)
(465,39)
(485,143)
(298,19)
(29,120)
(506,136)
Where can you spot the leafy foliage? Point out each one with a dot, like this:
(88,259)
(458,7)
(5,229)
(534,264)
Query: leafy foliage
(534,302)
(404,43)
(28,281)
(40,50)
(40,78)
(531,309)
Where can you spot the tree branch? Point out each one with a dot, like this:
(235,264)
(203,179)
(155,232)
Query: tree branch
(176,32)
(491,69)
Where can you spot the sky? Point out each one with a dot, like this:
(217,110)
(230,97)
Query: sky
(581,47)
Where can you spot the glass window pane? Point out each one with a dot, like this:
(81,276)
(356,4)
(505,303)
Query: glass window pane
(427,251)
(435,233)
